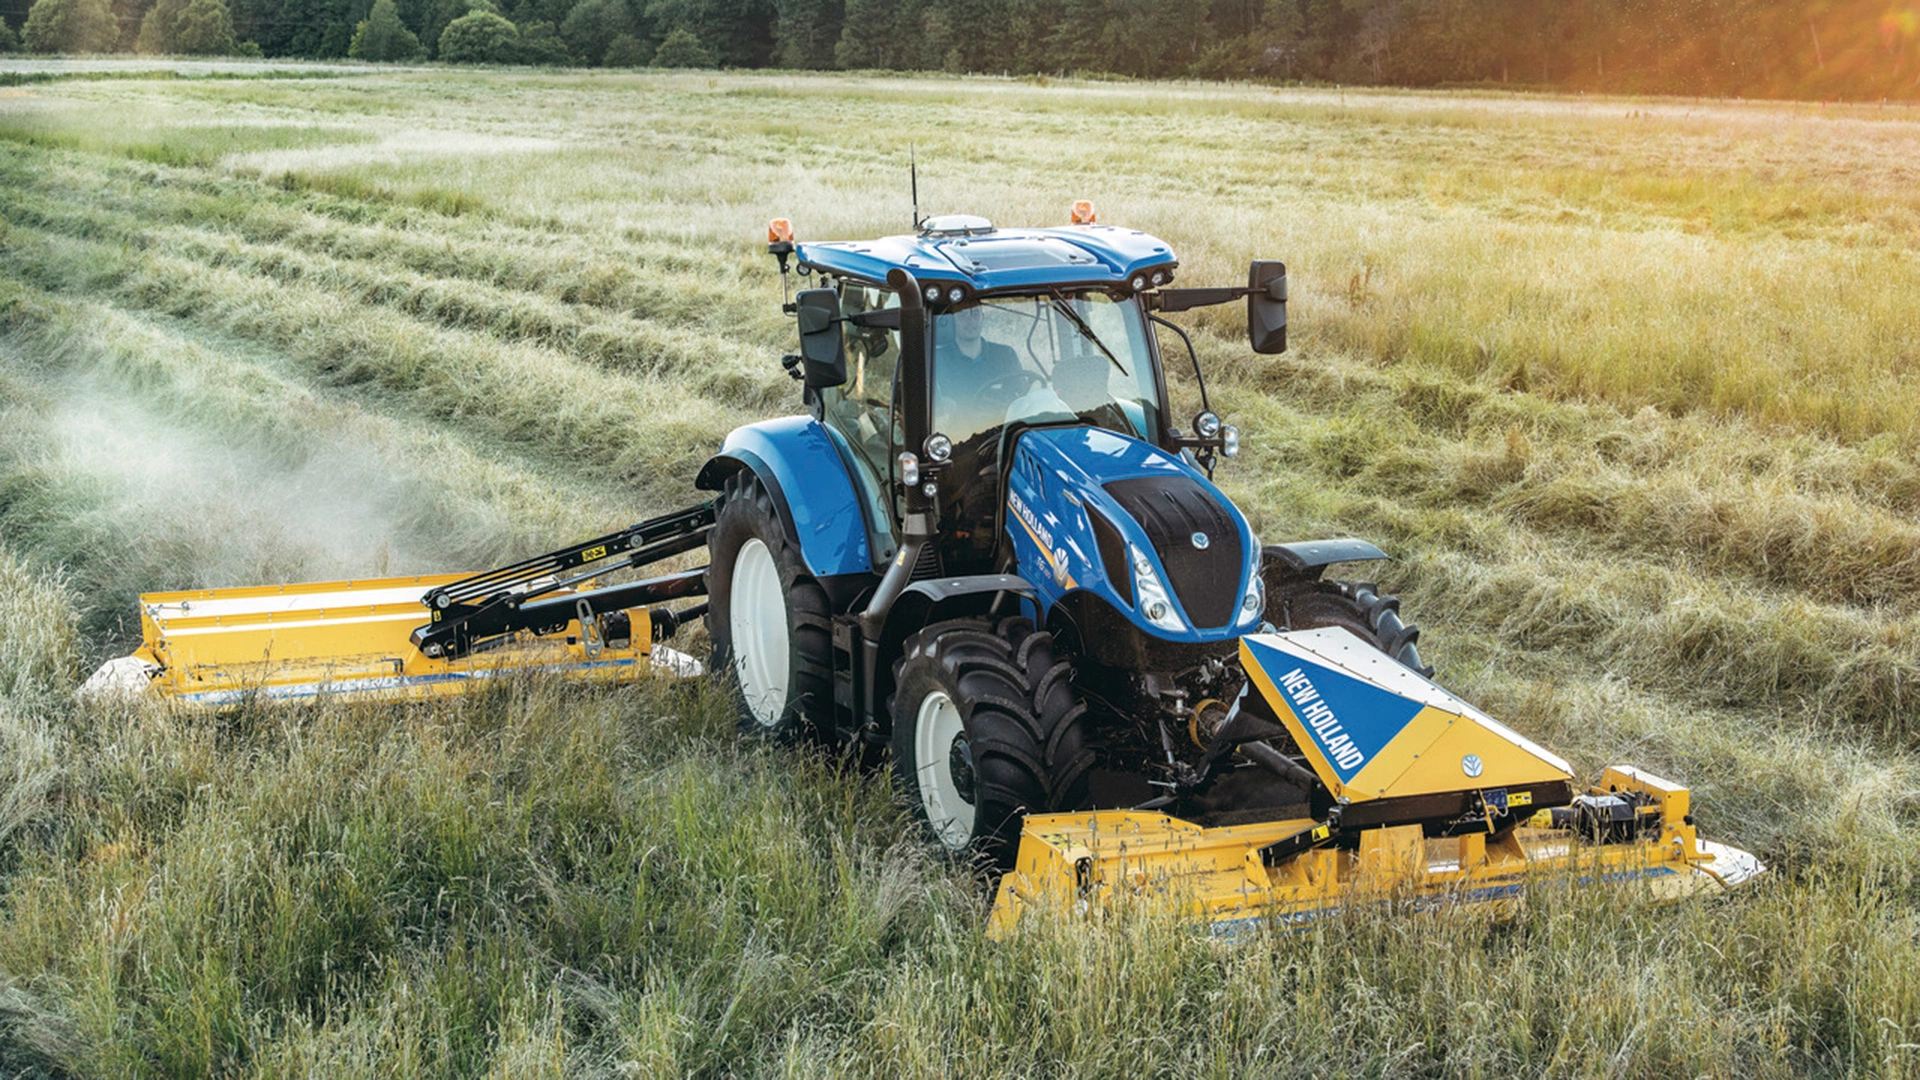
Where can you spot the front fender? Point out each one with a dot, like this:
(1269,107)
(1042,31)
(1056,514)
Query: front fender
(800,467)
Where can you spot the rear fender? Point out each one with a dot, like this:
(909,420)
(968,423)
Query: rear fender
(797,463)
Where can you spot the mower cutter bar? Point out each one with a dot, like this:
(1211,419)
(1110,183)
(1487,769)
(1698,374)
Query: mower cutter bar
(411,637)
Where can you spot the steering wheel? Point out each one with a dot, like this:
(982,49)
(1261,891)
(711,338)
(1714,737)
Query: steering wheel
(1011,385)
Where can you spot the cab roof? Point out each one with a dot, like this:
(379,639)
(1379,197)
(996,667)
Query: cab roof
(986,259)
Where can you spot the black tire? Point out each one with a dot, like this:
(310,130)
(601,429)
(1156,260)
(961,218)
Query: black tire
(783,681)
(1356,606)
(1021,746)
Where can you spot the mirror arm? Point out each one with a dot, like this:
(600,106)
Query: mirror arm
(880,319)
(1198,376)
(1175,300)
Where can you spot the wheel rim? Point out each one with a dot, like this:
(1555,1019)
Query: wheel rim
(758,620)
(944,769)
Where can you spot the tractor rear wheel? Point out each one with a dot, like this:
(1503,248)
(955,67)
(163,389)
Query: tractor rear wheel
(987,729)
(768,619)
(1355,606)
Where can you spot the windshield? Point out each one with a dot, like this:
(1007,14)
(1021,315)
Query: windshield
(1064,356)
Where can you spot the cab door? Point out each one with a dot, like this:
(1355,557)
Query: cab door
(862,415)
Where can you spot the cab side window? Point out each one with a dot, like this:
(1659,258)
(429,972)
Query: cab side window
(861,412)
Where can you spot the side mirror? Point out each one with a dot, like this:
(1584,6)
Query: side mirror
(1267,306)
(822,346)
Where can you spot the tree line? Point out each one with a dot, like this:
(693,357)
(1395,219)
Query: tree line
(1854,49)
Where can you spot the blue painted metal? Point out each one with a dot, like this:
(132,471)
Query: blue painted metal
(1350,720)
(1003,259)
(796,459)
(1055,482)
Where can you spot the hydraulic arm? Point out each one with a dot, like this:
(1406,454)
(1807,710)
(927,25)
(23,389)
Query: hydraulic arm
(476,611)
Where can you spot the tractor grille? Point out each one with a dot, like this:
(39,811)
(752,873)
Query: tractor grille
(1171,510)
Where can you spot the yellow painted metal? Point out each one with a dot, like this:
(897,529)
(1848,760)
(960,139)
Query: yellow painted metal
(221,646)
(1077,862)
(1424,757)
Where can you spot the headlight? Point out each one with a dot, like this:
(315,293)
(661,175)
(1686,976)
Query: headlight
(939,447)
(1255,601)
(1229,441)
(909,468)
(1152,596)
(1206,425)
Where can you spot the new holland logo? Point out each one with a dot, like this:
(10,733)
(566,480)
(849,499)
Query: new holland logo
(1319,718)
(1030,519)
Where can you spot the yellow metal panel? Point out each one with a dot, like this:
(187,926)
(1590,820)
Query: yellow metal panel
(218,646)
(1392,858)
(1084,862)
(1502,764)
(1284,710)
(1380,777)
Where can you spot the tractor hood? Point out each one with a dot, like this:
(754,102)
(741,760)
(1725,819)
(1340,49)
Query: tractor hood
(1090,511)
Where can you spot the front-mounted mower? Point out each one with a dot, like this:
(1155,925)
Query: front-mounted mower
(988,549)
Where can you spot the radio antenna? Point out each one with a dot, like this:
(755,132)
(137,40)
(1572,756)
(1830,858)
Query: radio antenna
(913,171)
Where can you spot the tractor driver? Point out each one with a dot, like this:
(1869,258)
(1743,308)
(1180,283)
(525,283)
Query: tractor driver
(973,378)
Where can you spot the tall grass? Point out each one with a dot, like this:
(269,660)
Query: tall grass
(1622,385)
(540,879)
(39,643)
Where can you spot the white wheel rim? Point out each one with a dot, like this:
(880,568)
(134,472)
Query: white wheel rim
(758,620)
(936,728)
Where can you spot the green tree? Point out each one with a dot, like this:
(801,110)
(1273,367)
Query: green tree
(437,15)
(681,49)
(157,28)
(870,36)
(804,32)
(382,36)
(205,28)
(70,26)
(480,37)
(1283,34)
(593,25)
(540,43)
(8,42)
(734,33)
(626,51)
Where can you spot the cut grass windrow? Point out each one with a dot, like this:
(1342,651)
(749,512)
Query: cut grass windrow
(1544,354)
(1656,624)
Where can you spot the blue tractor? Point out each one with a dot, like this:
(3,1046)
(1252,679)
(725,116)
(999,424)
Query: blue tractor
(989,547)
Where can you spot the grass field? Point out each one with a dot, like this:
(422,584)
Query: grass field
(1630,388)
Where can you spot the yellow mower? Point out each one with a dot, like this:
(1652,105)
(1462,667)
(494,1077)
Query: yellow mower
(987,548)
(417,637)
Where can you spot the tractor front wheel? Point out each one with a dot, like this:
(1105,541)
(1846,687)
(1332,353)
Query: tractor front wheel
(768,619)
(987,729)
(1356,606)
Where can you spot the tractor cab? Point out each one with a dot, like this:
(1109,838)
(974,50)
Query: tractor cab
(1016,329)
